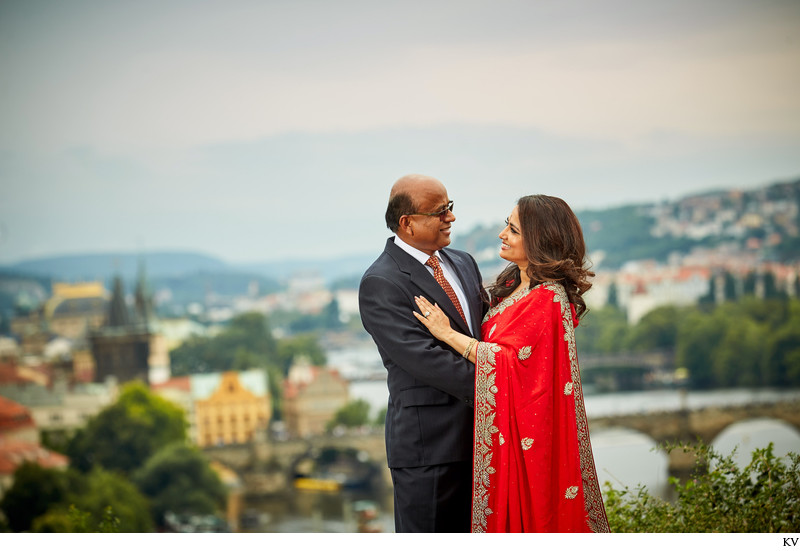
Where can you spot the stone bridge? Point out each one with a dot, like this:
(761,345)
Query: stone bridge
(704,424)
(265,466)
(648,361)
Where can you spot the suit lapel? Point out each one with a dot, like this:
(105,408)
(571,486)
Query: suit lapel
(427,284)
(468,282)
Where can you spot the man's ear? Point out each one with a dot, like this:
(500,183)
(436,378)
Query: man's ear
(405,225)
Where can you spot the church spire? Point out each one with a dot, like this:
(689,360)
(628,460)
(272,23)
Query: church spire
(143,300)
(117,309)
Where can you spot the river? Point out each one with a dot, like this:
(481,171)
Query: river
(623,457)
(627,458)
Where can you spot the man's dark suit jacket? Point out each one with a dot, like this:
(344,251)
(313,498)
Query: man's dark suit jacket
(429,420)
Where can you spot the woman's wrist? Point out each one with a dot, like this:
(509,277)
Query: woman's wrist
(452,338)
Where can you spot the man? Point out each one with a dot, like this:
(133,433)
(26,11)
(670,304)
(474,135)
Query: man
(429,422)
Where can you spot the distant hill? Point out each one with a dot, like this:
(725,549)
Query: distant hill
(187,277)
(104,265)
(331,269)
(768,216)
(765,218)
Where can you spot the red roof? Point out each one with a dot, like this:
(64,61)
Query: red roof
(12,373)
(14,416)
(9,374)
(14,453)
(180,383)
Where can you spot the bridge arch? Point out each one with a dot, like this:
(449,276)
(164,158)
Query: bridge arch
(705,424)
(625,457)
(750,434)
(708,423)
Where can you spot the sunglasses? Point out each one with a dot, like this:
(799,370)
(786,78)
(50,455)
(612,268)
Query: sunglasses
(442,214)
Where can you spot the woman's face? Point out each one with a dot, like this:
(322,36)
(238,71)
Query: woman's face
(512,248)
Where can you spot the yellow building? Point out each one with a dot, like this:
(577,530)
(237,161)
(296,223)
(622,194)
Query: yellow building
(76,307)
(311,397)
(236,408)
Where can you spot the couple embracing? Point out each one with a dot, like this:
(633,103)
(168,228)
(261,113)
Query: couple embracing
(486,429)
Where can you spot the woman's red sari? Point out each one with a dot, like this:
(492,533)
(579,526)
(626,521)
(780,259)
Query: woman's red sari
(533,468)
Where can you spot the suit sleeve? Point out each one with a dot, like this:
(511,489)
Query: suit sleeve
(386,314)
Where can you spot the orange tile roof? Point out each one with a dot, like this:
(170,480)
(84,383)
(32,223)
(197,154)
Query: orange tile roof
(9,375)
(180,383)
(14,453)
(13,416)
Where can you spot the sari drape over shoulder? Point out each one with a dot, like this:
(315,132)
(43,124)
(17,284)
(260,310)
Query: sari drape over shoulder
(533,468)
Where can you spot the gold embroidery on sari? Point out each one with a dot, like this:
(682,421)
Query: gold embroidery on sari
(568,389)
(485,402)
(524,353)
(510,300)
(492,331)
(571,493)
(593,498)
(501,439)
(527,443)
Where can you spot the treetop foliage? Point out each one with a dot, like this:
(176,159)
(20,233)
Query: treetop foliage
(247,342)
(125,434)
(764,496)
(745,343)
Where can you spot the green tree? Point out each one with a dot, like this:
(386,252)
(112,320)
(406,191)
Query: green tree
(275,378)
(380,417)
(771,290)
(782,358)
(306,345)
(764,496)
(774,313)
(34,490)
(246,342)
(244,359)
(124,435)
(179,479)
(59,520)
(657,330)
(739,354)
(604,330)
(354,413)
(696,346)
(99,501)
(613,296)
(332,316)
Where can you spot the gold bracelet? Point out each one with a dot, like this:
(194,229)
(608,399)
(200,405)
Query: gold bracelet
(472,343)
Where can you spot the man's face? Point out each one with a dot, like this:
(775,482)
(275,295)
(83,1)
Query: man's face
(430,233)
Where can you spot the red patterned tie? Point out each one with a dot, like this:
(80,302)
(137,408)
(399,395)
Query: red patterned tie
(433,262)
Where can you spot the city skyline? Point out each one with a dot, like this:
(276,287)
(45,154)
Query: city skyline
(255,131)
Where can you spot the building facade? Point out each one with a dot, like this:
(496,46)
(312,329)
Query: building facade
(233,407)
(311,397)
(237,410)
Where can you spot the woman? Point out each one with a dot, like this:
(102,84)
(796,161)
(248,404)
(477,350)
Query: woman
(533,468)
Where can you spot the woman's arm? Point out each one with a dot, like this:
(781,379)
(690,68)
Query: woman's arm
(438,324)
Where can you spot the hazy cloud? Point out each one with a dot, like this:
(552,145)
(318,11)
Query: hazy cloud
(254,129)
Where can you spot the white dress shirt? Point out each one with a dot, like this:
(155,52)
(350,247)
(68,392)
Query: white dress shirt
(447,270)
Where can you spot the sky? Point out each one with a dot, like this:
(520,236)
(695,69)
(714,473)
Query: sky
(267,130)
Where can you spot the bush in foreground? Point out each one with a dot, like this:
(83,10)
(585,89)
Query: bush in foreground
(764,496)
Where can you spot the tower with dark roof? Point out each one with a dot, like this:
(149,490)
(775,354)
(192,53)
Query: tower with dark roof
(143,300)
(117,309)
(127,346)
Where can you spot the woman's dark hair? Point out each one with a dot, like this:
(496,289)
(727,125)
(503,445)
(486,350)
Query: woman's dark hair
(553,242)
(399,205)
